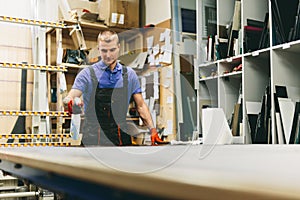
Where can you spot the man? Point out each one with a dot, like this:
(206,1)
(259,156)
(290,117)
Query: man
(107,87)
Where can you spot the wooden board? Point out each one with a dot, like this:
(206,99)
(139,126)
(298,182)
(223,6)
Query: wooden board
(174,172)
(167,97)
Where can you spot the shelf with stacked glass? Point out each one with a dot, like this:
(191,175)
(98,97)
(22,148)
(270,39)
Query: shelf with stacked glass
(221,86)
(35,139)
(272,65)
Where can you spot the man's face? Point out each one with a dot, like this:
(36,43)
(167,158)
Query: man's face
(109,51)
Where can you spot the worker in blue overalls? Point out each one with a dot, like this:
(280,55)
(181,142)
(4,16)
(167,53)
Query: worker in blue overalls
(107,87)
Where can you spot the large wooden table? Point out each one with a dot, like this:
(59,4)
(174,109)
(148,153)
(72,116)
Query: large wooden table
(173,172)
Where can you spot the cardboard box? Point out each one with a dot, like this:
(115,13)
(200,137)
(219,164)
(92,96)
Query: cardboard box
(119,13)
(83,4)
(79,7)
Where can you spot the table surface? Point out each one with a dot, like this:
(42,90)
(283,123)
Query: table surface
(175,171)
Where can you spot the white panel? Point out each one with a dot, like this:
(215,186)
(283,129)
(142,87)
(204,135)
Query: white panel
(162,11)
(16,8)
(215,127)
(190,4)
(253,107)
(256,67)
(287,109)
(254,9)
(225,10)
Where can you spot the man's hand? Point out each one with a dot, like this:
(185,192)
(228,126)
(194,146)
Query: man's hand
(77,105)
(72,106)
(155,138)
(68,103)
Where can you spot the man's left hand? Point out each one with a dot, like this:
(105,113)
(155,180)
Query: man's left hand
(155,139)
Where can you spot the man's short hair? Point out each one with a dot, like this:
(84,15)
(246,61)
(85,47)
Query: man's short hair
(108,36)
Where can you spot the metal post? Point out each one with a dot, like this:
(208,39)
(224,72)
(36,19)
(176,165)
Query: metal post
(40,96)
(176,65)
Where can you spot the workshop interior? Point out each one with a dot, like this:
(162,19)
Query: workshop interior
(148,99)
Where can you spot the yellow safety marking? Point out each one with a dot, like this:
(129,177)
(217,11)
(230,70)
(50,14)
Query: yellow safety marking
(33,66)
(34,113)
(32,22)
(34,135)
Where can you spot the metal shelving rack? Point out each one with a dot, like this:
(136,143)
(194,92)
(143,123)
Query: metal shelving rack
(40,135)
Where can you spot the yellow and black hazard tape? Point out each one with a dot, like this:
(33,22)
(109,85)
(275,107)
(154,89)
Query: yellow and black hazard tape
(32,22)
(36,144)
(33,113)
(31,136)
(33,67)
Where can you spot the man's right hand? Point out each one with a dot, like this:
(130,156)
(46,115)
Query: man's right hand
(72,105)
(76,106)
(68,104)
